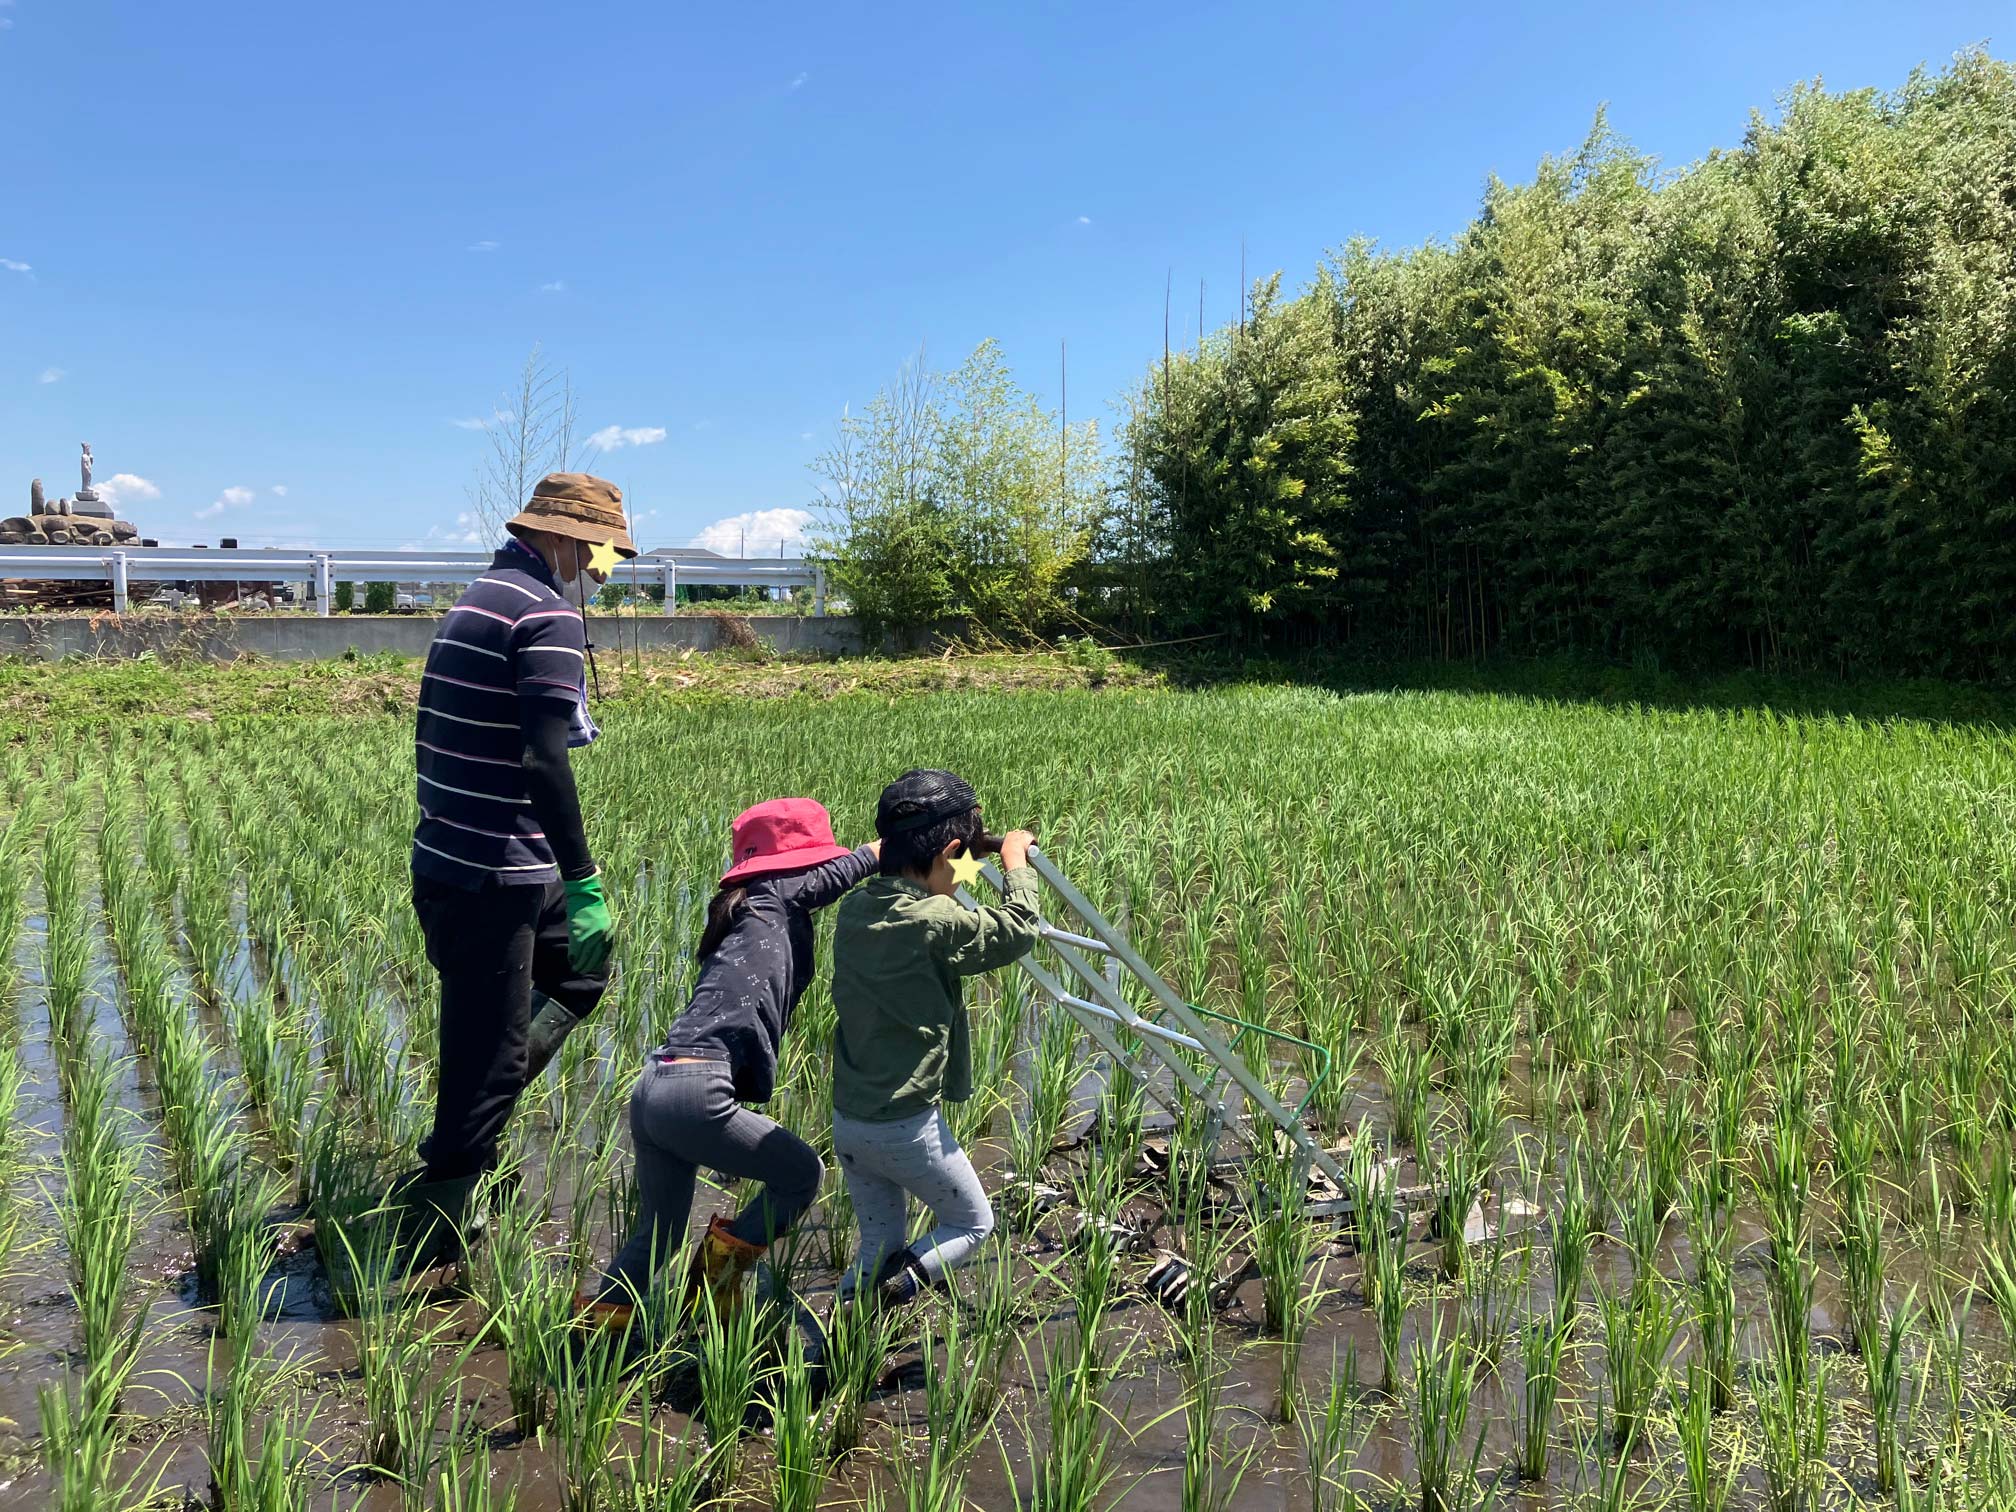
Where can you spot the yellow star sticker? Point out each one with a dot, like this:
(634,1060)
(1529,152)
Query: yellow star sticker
(966,869)
(603,558)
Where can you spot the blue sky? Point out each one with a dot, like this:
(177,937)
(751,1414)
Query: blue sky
(247,248)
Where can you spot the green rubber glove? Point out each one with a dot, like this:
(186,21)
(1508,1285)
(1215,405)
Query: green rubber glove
(591,931)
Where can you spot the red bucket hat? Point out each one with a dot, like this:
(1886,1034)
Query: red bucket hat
(782,835)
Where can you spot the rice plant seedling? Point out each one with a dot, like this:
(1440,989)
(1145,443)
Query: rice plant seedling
(15,871)
(1055,1069)
(66,937)
(1710,1234)
(258,1452)
(958,1411)
(597,1395)
(1666,1133)
(1573,1233)
(732,1341)
(460,1477)
(1886,1377)
(797,1461)
(1542,1345)
(1792,1422)
(1638,1330)
(859,1338)
(1445,1377)
(1382,1248)
(1332,1440)
(404,1390)
(1858,1224)
(1074,1465)
(1710,1472)
(991,1289)
(13,1214)
(1948,1360)
(82,1437)
(525,1296)
(245,1254)
(1210,1482)
(1284,1241)
(99,1220)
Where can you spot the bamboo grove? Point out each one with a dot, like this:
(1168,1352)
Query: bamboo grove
(1756,412)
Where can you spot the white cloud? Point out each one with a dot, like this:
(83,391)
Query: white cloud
(51,375)
(465,532)
(14,267)
(799,82)
(612,437)
(471,424)
(1084,220)
(280,490)
(483,246)
(558,286)
(125,488)
(759,532)
(231,498)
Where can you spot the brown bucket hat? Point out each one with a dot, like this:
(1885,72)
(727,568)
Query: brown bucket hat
(577,505)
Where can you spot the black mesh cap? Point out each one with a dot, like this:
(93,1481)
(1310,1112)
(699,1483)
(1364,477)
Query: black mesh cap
(922,797)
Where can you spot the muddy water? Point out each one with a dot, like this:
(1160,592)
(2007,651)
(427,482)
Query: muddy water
(1143,1396)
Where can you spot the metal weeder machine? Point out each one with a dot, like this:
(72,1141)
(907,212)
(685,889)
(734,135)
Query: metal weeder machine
(1171,1046)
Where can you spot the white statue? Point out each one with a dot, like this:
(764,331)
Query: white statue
(86,489)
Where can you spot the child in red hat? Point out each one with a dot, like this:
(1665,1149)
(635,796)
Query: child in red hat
(689,1108)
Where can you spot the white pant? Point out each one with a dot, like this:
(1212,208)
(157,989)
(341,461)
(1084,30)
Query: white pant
(885,1165)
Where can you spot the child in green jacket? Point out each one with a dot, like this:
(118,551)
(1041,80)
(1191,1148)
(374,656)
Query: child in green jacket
(902,943)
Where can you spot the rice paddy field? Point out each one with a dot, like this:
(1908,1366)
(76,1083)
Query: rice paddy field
(1699,1024)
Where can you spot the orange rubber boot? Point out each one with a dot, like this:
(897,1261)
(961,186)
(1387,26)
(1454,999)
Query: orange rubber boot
(719,1264)
(592,1314)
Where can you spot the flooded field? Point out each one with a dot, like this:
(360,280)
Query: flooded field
(1670,1058)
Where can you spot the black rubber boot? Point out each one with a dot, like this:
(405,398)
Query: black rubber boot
(551,1024)
(431,1218)
(901,1280)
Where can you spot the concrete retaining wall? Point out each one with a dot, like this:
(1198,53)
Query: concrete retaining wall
(304,637)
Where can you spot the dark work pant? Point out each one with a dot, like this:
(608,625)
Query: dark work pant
(683,1117)
(492,946)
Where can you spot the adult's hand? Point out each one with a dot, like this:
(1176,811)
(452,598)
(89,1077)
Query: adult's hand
(591,929)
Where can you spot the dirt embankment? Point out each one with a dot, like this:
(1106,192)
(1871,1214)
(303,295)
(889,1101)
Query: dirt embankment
(86,692)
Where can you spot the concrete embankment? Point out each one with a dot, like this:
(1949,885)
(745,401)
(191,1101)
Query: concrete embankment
(303,637)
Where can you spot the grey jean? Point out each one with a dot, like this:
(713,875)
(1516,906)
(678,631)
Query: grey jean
(685,1116)
(886,1164)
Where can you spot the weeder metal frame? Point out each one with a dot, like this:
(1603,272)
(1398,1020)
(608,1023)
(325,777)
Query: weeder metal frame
(1171,1026)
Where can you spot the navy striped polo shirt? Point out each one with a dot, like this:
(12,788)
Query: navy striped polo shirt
(511,636)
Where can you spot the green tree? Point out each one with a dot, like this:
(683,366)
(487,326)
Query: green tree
(345,597)
(1243,450)
(379,598)
(957,494)
(1758,411)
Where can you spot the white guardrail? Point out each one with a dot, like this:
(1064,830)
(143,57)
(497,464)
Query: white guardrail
(124,565)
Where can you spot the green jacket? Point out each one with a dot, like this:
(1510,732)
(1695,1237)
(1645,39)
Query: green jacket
(899,950)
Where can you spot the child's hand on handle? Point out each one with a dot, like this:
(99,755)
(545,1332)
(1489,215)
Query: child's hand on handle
(1015,849)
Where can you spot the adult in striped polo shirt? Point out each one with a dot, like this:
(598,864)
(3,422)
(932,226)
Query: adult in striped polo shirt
(507,892)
